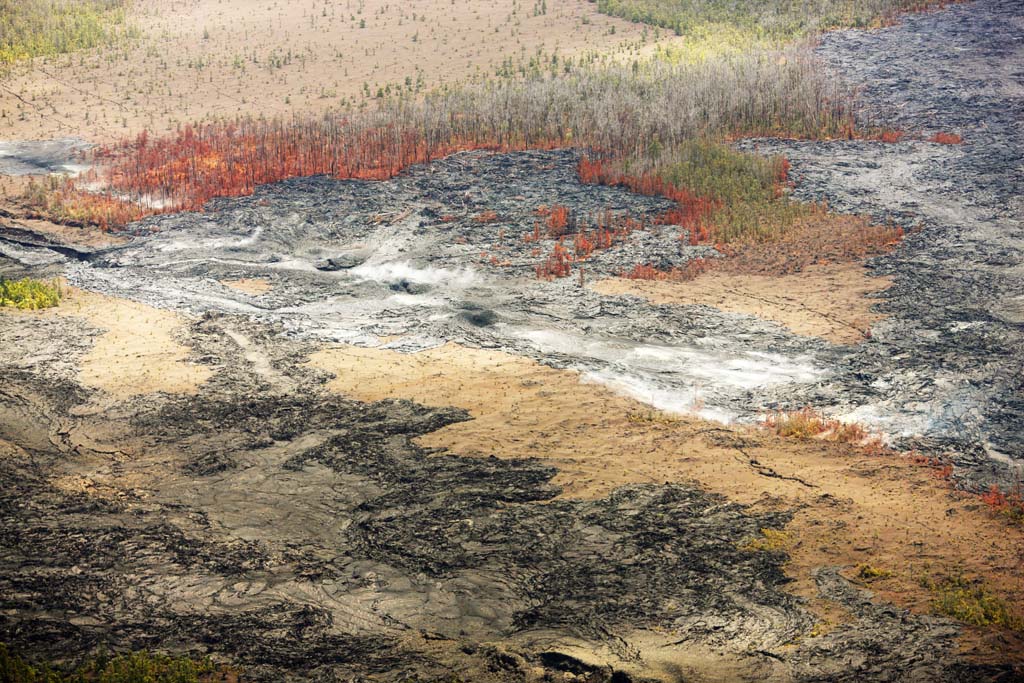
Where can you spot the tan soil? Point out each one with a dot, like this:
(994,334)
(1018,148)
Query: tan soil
(852,509)
(827,301)
(138,354)
(254,286)
(202,59)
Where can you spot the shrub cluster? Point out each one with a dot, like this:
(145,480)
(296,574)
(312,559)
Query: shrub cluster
(29,294)
(137,667)
(617,111)
(34,28)
(971,602)
(809,424)
(1009,504)
(777,20)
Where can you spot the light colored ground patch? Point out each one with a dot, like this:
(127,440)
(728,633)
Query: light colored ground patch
(254,286)
(138,354)
(200,59)
(851,508)
(827,301)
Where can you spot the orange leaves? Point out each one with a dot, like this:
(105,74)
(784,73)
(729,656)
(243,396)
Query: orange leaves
(588,236)
(582,245)
(809,424)
(486,217)
(557,220)
(62,203)
(102,210)
(688,271)
(783,176)
(1009,504)
(533,236)
(225,159)
(645,272)
(558,264)
(692,212)
(890,136)
(946,139)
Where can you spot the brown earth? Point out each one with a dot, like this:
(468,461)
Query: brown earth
(828,301)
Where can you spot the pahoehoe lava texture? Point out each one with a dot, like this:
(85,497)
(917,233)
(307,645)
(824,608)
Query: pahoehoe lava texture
(437,254)
(948,363)
(306,535)
(356,261)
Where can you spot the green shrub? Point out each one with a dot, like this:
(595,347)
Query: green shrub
(34,28)
(748,189)
(137,667)
(870,573)
(28,294)
(970,602)
(759,20)
(771,540)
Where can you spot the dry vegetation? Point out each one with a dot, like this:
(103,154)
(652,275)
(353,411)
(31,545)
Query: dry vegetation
(652,125)
(808,423)
(196,61)
(35,28)
(776,20)
(620,112)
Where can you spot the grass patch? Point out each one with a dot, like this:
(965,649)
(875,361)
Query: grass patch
(651,417)
(724,195)
(869,573)
(28,294)
(37,28)
(771,540)
(761,20)
(971,602)
(810,424)
(137,667)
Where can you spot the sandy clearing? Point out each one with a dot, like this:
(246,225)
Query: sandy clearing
(138,354)
(828,301)
(851,509)
(202,59)
(254,286)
